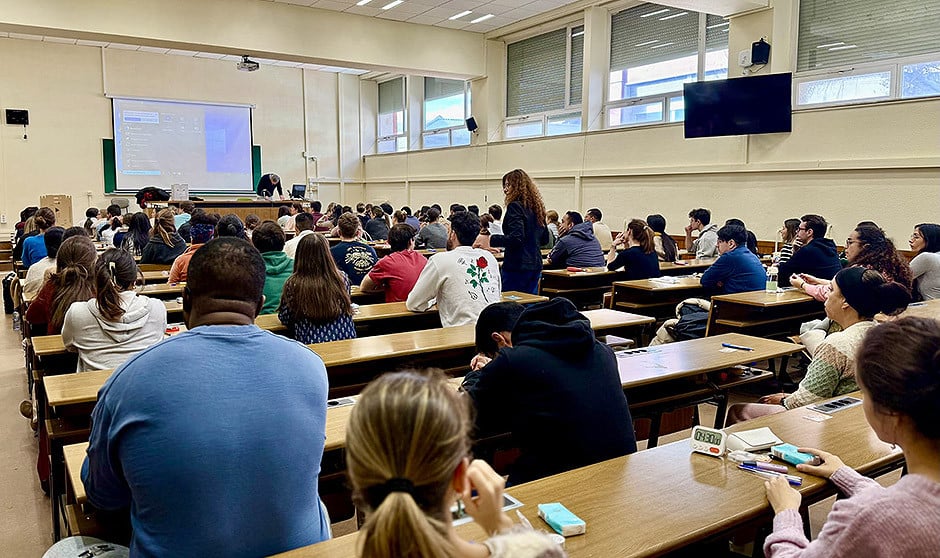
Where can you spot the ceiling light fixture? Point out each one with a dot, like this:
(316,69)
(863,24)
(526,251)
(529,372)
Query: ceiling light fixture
(460,15)
(391,5)
(657,12)
(680,14)
(481,18)
(362,2)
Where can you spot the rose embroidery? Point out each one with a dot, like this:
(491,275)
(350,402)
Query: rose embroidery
(482,263)
(478,275)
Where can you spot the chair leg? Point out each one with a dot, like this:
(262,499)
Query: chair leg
(655,423)
(722,410)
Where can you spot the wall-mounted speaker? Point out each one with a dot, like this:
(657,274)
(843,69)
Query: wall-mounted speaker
(472,124)
(18,117)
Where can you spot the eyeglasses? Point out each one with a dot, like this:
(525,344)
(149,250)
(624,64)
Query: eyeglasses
(849,241)
(804,229)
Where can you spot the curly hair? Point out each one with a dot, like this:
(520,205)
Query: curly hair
(520,188)
(879,253)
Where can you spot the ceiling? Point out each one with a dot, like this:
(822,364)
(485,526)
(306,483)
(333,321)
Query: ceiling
(439,12)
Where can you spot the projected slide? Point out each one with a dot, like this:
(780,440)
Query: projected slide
(159,143)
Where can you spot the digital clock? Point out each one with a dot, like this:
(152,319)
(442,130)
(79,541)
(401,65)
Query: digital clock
(708,441)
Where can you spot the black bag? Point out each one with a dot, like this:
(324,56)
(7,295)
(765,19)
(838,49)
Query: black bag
(692,323)
(7,296)
(151,193)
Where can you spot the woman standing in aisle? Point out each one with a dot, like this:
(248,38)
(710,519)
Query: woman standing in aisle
(524,232)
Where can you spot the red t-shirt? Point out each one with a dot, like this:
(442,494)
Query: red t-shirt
(398,272)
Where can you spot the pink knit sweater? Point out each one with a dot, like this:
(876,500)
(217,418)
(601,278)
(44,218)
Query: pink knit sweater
(903,520)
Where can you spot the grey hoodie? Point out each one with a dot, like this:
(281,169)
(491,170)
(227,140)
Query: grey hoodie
(102,344)
(578,247)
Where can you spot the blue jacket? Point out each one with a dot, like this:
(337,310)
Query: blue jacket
(737,271)
(578,247)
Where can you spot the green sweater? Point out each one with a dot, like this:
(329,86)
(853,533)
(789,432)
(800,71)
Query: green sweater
(277,268)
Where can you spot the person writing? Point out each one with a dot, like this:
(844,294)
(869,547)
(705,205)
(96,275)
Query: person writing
(899,376)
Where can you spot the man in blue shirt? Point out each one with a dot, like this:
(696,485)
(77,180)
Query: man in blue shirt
(737,270)
(214,437)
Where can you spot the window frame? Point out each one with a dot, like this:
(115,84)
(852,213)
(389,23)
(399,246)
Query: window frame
(543,117)
(450,129)
(378,117)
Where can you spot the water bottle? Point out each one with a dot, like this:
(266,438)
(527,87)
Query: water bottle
(772,279)
(16,321)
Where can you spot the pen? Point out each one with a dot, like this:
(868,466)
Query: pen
(793,480)
(765,466)
(738,347)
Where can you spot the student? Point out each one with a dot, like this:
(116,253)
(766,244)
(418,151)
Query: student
(111,212)
(221,474)
(352,256)
(407,488)
(462,281)
(577,246)
(283,216)
(738,270)
(378,226)
(24,230)
(108,233)
(184,214)
(361,214)
(494,331)
(165,243)
(137,235)
(524,233)
(315,304)
(315,210)
(432,234)
(925,266)
(496,212)
(397,272)
(601,231)
(37,273)
(251,223)
(639,260)
(34,247)
(91,221)
(268,238)
(268,185)
(303,222)
(574,412)
(24,217)
(857,295)
(706,245)
(202,229)
(899,376)
(751,237)
(231,225)
(116,324)
(329,220)
(72,281)
(665,247)
(551,222)
(411,219)
(790,243)
(817,257)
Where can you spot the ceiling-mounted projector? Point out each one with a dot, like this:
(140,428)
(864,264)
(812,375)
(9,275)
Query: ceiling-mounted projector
(247,65)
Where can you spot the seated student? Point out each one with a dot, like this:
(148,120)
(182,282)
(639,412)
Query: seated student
(303,223)
(666,248)
(738,270)
(251,223)
(899,376)
(639,260)
(817,257)
(551,222)
(857,295)
(136,235)
(283,216)
(111,212)
(184,214)
(496,212)
(116,324)
(925,267)
(34,247)
(91,221)
(315,304)
(201,229)
(72,281)
(397,272)
(165,243)
(462,281)
(411,219)
(38,272)
(407,488)
(329,220)
(706,245)
(601,231)
(493,331)
(751,237)
(353,257)
(268,238)
(214,470)
(231,225)
(433,234)
(790,243)
(571,384)
(378,226)
(577,246)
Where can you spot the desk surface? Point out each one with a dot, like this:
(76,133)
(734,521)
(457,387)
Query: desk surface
(679,497)
(162,289)
(683,283)
(926,309)
(686,266)
(764,299)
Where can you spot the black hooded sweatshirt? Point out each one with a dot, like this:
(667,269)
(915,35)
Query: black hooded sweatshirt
(557,390)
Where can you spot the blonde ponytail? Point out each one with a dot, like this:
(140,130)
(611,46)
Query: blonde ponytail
(398,528)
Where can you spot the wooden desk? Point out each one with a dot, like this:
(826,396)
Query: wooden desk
(162,290)
(926,309)
(155,276)
(583,288)
(762,313)
(678,497)
(686,266)
(653,297)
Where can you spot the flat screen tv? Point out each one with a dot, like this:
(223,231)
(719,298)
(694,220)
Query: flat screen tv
(731,107)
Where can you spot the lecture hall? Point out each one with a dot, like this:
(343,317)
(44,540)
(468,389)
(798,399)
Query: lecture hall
(468,278)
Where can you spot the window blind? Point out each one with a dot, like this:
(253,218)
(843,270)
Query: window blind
(841,33)
(437,88)
(577,64)
(651,33)
(535,73)
(392,96)
(716,33)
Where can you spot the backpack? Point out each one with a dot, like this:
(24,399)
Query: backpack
(692,322)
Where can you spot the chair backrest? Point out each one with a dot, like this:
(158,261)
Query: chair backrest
(123,203)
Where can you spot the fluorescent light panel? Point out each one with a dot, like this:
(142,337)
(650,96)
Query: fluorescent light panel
(481,18)
(391,5)
(680,14)
(362,2)
(657,12)
(460,15)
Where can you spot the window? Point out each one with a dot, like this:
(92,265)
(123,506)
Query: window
(392,136)
(654,50)
(446,109)
(544,76)
(864,50)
